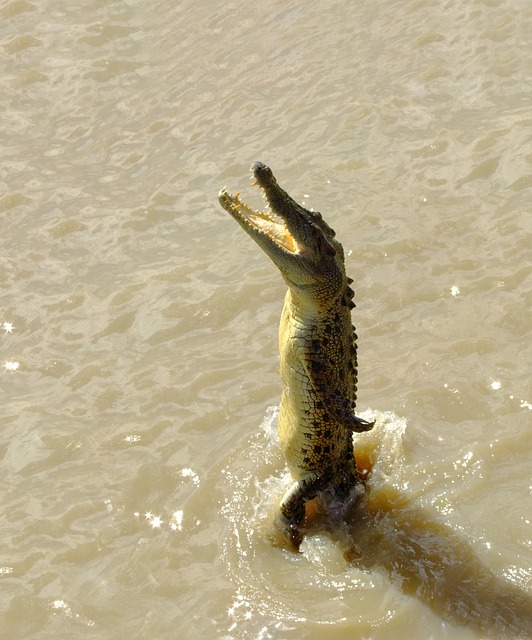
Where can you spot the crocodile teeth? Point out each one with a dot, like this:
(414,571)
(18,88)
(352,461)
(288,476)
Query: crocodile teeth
(264,222)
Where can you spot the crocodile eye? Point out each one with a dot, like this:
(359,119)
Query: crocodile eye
(321,224)
(323,246)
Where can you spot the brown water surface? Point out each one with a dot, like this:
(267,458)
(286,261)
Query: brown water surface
(138,323)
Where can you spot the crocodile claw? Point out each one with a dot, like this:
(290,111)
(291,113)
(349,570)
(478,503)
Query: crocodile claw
(360,425)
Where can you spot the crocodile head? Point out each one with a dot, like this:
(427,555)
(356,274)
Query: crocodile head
(299,242)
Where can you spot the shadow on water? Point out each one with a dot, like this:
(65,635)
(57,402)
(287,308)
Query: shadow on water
(431,561)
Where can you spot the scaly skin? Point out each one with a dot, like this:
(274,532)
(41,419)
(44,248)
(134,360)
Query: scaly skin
(317,343)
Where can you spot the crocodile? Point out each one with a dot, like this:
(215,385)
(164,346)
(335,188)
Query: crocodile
(317,344)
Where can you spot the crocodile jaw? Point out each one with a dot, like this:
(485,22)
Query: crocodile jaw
(265,227)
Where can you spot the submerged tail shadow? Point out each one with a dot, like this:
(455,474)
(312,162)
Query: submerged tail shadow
(433,562)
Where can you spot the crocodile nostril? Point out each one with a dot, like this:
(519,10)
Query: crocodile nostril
(260,170)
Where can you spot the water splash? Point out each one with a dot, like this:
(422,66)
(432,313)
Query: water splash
(393,548)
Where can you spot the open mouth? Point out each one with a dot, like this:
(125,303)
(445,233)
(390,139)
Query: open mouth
(264,223)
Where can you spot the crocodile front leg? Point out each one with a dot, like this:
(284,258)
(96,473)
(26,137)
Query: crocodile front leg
(359,425)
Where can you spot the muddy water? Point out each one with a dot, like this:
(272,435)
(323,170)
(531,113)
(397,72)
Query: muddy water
(138,324)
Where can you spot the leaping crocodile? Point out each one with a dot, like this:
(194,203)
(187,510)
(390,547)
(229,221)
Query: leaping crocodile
(317,342)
